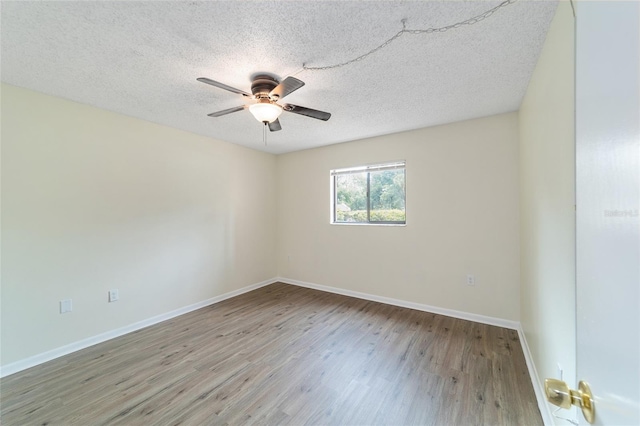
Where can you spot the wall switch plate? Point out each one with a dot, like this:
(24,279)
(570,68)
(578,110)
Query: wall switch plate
(471,280)
(66,305)
(113,295)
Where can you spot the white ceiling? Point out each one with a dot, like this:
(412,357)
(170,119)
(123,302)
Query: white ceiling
(142,59)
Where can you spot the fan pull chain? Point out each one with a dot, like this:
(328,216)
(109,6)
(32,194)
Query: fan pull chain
(264,133)
(404,30)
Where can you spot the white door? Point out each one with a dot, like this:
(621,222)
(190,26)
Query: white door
(607,196)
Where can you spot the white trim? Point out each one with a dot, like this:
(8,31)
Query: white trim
(32,361)
(513,325)
(543,406)
(545,409)
(367,224)
(393,165)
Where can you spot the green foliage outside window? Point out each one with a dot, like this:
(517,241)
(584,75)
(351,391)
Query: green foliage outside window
(376,216)
(386,196)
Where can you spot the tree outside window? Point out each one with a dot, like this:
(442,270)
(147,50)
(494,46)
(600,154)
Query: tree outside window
(369,194)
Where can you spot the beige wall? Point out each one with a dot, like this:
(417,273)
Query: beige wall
(93,200)
(547,182)
(462,217)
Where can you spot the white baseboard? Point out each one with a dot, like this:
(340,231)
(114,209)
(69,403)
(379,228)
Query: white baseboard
(543,406)
(513,325)
(32,361)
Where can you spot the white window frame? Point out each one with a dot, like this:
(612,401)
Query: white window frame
(394,165)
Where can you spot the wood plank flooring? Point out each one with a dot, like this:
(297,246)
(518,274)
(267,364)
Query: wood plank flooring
(285,355)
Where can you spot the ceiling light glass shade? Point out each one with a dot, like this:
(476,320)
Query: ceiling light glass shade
(266,112)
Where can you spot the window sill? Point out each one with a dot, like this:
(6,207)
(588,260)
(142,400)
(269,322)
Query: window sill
(366,224)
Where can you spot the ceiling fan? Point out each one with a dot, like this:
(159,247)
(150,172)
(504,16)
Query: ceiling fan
(266,91)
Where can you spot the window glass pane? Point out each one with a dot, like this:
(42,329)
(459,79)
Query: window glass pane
(351,197)
(387,196)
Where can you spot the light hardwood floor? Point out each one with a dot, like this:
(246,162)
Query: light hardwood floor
(285,355)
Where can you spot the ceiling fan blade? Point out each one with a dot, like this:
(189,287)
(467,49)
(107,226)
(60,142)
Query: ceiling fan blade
(274,126)
(227,111)
(313,113)
(223,86)
(286,86)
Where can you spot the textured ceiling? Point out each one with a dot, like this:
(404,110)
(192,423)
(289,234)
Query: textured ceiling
(142,59)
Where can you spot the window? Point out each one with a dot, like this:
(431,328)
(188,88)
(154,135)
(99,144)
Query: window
(369,194)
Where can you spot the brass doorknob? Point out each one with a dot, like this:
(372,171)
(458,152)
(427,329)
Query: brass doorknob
(558,393)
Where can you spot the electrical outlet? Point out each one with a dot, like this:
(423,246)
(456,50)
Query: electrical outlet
(471,280)
(66,305)
(113,295)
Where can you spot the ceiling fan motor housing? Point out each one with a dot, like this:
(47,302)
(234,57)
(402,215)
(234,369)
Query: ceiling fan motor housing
(262,85)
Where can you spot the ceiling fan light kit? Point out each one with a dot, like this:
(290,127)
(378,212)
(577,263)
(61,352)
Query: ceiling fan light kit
(265,92)
(265,111)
